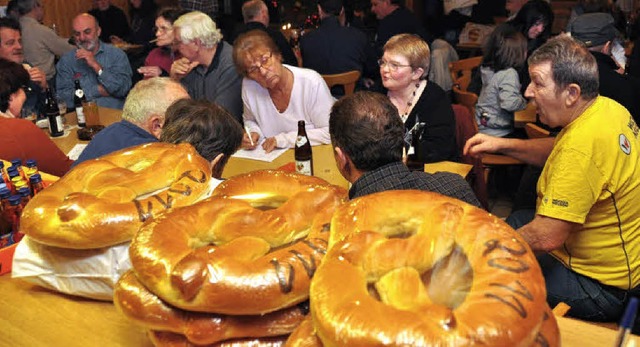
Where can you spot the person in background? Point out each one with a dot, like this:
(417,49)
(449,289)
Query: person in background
(103,70)
(206,68)
(597,31)
(366,134)
(112,20)
(534,22)
(333,48)
(513,7)
(422,105)
(277,96)
(143,117)
(213,131)
(505,53)
(256,16)
(208,7)
(20,138)
(12,10)
(159,60)
(41,44)
(586,222)
(11,49)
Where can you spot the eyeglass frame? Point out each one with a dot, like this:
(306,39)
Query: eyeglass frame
(393,66)
(162,29)
(265,61)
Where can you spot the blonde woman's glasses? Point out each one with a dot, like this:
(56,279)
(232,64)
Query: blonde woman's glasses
(393,66)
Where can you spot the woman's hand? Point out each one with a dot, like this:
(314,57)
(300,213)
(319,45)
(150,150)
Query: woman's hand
(150,71)
(248,144)
(269,144)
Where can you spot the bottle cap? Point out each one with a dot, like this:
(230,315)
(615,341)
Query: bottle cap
(15,200)
(5,193)
(35,178)
(30,162)
(24,191)
(16,162)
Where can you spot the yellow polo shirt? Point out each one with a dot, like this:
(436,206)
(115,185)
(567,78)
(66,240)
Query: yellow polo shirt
(592,177)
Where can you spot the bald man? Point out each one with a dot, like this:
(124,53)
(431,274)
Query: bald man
(103,70)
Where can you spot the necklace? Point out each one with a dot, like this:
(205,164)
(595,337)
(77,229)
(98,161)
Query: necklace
(407,109)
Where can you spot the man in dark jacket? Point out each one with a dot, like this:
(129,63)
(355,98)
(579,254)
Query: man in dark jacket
(333,48)
(597,31)
(256,16)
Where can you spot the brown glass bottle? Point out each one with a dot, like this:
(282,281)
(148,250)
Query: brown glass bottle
(56,127)
(302,152)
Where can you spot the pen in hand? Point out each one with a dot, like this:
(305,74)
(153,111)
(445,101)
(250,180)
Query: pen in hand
(627,322)
(249,134)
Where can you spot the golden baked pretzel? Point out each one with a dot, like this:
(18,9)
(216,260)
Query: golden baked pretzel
(240,252)
(420,269)
(103,202)
(146,309)
(168,339)
(304,335)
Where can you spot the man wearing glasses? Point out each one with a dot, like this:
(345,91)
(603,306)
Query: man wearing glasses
(206,68)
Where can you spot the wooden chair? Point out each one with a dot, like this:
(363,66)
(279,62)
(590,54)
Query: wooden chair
(346,79)
(469,100)
(461,71)
(535,131)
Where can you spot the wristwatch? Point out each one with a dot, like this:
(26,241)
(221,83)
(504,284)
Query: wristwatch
(100,72)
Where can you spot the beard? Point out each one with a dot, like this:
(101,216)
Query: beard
(89,45)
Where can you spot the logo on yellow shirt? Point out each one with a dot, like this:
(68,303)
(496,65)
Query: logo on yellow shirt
(625,145)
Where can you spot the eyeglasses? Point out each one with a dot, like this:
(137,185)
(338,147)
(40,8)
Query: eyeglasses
(265,61)
(392,65)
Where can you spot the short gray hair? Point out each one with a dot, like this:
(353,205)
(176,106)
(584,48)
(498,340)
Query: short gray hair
(571,62)
(251,9)
(150,97)
(198,26)
(25,6)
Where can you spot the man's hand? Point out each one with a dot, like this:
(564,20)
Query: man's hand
(150,71)
(269,144)
(88,56)
(181,68)
(480,144)
(246,143)
(38,76)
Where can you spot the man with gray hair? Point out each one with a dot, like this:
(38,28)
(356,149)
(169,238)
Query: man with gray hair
(142,118)
(586,223)
(206,68)
(41,44)
(256,16)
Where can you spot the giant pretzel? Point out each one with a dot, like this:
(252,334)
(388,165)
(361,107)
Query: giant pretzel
(146,309)
(251,248)
(420,269)
(103,202)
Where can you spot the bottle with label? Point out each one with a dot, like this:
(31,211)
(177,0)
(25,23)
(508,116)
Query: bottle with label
(36,184)
(302,152)
(78,100)
(56,127)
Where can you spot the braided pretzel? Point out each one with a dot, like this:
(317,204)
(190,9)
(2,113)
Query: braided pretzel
(103,202)
(224,255)
(168,339)
(146,309)
(444,273)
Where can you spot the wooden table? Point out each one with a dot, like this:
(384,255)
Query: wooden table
(522,117)
(70,138)
(36,317)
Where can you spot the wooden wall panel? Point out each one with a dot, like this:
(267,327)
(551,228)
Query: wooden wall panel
(61,12)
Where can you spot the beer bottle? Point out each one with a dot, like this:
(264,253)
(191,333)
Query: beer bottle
(78,99)
(56,128)
(302,152)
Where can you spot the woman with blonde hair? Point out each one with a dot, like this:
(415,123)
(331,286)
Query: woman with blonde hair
(276,96)
(423,106)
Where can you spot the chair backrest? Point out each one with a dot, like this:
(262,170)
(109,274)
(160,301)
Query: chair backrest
(461,71)
(347,79)
(535,131)
(466,127)
(466,99)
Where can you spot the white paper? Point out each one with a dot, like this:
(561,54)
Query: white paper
(260,154)
(75,152)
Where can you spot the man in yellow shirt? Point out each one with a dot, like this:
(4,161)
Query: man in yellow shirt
(587,215)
